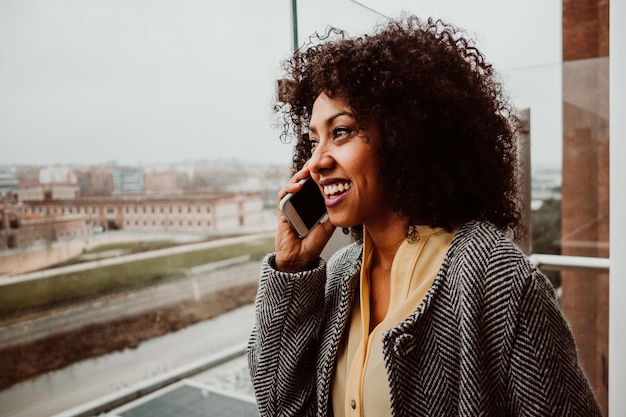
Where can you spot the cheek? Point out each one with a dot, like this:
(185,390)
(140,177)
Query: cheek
(375,188)
(371,172)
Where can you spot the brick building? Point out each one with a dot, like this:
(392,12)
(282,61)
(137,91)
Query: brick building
(199,214)
(38,219)
(585,188)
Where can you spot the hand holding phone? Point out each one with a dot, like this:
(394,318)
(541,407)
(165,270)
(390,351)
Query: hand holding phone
(304,209)
(299,242)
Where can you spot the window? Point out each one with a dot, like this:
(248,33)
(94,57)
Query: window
(567,95)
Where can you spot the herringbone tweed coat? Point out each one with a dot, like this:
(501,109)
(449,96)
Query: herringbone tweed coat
(487,340)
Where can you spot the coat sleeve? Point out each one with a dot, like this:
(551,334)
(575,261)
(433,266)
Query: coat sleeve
(282,350)
(546,378)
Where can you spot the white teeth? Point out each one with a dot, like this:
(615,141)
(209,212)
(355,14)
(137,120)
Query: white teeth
(336,188)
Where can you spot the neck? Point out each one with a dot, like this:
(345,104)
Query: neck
(386,241)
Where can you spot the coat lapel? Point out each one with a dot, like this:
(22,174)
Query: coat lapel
(341,288)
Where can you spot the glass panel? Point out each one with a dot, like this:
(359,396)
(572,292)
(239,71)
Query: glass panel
(586,158)
(568,116)
(585,210)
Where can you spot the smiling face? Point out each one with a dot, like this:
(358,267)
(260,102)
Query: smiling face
(345,165)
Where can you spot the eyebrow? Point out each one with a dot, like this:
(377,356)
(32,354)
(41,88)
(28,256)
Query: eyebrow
(329,121)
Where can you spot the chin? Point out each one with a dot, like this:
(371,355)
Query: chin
(341,221)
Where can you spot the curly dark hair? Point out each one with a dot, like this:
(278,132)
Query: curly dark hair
(449,134)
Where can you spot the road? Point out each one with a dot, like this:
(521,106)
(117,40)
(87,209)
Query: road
(199,282)
(88,380)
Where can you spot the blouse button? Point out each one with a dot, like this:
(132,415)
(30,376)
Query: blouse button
(353,404)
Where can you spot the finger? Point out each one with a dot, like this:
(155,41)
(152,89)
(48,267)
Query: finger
(292,187)
(304,173)
(295,183)
(317,239)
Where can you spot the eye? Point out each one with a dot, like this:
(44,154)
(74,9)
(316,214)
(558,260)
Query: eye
(341,132)
(313,142)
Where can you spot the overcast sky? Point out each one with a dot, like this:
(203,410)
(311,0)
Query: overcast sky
(159,81)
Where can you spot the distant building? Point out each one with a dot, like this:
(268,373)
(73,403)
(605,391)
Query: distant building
(8,182)
(27,174)
(128,181)
(46,229)
(190,214)
(546,185)
(95,181)
(178,199)
(57,174)
(9,224)
(20,227)
(41,220)
(195,214)
(168,182)
(47,192)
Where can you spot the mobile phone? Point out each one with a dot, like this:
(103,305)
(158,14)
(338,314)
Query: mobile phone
(304,209)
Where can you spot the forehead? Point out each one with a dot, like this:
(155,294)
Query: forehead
(325,109)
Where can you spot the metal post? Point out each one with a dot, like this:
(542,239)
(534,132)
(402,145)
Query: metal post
(617,276)
(294,23)
(524,170)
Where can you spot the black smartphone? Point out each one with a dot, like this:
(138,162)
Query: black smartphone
(304,209)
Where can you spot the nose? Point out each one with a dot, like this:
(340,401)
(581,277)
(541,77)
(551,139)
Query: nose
(321,159)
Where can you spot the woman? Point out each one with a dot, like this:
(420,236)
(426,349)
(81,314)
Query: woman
(433,311)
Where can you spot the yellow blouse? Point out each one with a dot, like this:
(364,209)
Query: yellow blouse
(360,386)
